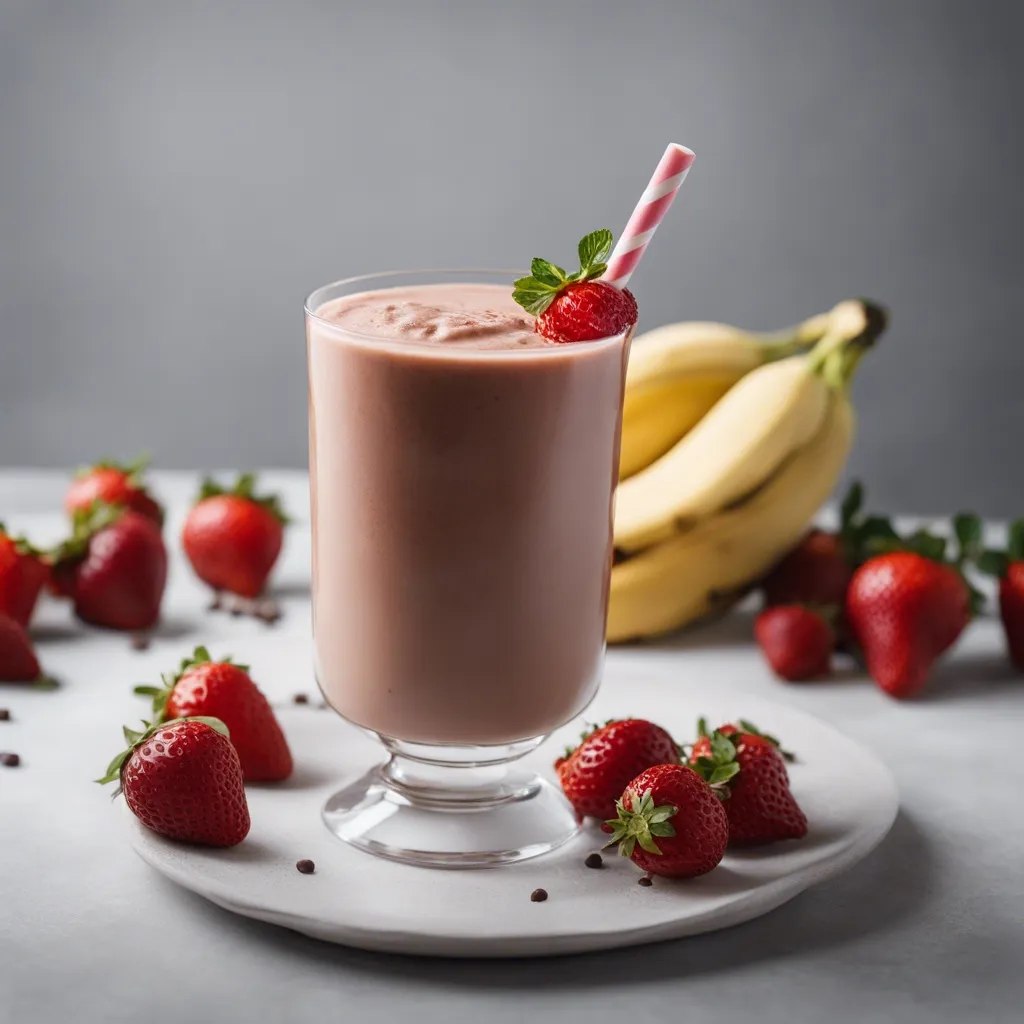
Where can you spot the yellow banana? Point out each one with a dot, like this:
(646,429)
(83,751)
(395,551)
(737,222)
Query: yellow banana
(678,372)
(696,573)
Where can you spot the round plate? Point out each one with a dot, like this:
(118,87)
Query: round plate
(355,899)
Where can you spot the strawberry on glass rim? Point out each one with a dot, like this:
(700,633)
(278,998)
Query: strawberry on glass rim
(577,307)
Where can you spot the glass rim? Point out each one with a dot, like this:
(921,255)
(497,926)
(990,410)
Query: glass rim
(309,309)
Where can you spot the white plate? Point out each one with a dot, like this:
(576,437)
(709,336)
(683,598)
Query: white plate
(848,795)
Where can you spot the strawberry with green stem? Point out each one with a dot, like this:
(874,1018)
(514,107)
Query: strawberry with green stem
(1008,568)
(578,306)
(114,483)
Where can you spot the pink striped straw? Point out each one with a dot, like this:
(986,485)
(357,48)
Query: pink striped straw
(654,203)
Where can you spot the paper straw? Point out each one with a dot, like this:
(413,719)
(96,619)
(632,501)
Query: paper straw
(654,203)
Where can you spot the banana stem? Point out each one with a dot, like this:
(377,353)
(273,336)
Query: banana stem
(854,327)
(792,341)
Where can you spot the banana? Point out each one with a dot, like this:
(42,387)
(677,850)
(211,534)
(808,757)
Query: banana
(701,571)
(678,372)
(743,440)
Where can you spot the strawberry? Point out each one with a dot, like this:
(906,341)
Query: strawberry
(577,307)
(904,610)
(23,573)
(669,822)
(233,538)
(114,484)
(113,567)
(797,641)
(18,662)
(747,770)
(183,779)
(1008,567)
(220,689)
(594,775)
(816,572)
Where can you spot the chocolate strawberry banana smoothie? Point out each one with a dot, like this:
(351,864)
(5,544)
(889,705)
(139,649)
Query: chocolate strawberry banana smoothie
(462,469)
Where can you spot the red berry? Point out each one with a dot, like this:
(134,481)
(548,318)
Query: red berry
(586,311)
(114,569)
(796,641)
(18,662)
(233,538)
(183,780)
(223,690)
(113,485)
(904,611)
(1011,611)
(815,572)
(594,775)
(670,822)
(23,575)
(755,785)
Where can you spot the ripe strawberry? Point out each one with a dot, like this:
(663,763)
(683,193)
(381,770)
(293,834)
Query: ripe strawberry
(114,568)
(816,572)
(748,771)
(797,641)
(18,662)
(221,689)
(1008,567)
(904,610)
(183,780)
(233,538)
(669,822)
(114,484)
(23,573)
(577,307)
(594,775)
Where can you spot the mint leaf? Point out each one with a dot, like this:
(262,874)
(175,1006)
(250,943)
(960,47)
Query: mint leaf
(534,298)
(1015,547)
(547,273)
(926,545)
(993,563)
(595,248)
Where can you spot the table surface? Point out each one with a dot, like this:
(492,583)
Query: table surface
(929,928)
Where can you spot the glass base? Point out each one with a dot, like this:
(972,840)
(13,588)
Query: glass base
(452,807)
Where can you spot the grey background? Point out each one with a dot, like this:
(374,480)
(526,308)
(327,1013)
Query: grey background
(175,178)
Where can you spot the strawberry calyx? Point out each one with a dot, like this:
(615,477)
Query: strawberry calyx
(718,769)
(135,738)
(536,292)
(866,536)
(640,825)
(244,487)
(133,471)
(161,694)
(995,562)
(85,524)
(21,543)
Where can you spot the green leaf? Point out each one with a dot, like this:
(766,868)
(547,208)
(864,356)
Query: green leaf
(967,528)
(723,750)
(662,813)
(993,563)
(547,273)
(852,503)
(927,545)
(147,691)
(1015,547)
(595,248)
(723,773)
(534,299)
(702,727)
(663,829)
(646,841)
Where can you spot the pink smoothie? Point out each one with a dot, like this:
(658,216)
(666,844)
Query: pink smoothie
(462,472)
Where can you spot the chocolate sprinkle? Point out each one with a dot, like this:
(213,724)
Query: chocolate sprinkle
(595,860)
(305,867)
(10,760)
(538,895)
(5,715)
(644,880)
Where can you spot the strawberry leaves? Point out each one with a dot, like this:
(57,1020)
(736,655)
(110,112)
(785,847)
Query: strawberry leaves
(161,694)
(721,766)
(994,562)
(245,487)
(536,292)
(640,825)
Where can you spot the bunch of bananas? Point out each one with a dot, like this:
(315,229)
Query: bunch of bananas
(731,442)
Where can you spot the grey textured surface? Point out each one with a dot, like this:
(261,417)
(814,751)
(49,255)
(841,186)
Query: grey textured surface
(928,930)
(176,177)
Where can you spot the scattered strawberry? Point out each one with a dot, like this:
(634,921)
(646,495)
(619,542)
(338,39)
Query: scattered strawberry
(669,822)
(233,538)
(113,567)
(577,307)
(114,484)
(220,689)
(904,610)
(23,574)
(594,775)
(816,572)
(183,779)
(748,772)
(1008,567)
(797,641)
(18,661)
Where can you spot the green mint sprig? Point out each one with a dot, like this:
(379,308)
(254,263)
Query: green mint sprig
(536,292)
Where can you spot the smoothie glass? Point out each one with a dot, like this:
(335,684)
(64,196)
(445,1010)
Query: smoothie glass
(462,547)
